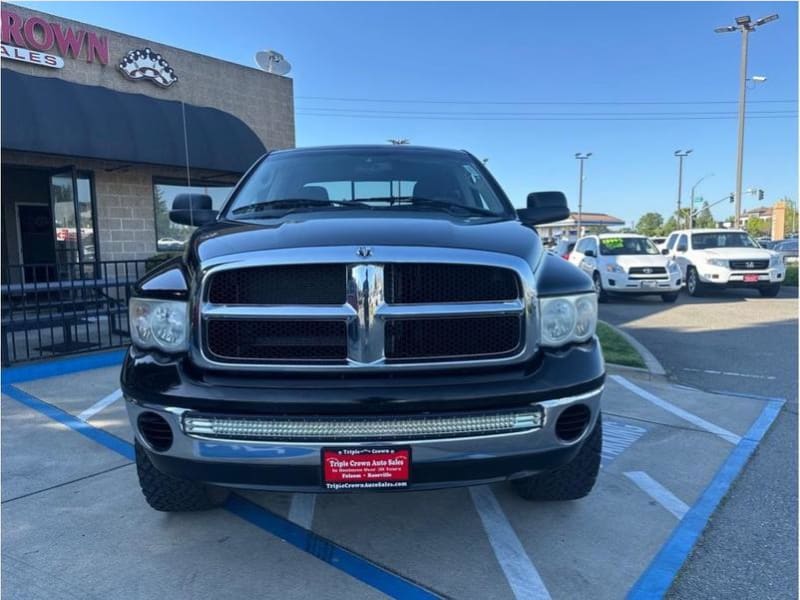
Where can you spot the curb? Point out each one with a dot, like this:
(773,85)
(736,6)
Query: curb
(654,367)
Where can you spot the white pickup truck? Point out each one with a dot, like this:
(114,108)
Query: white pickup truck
(720,258)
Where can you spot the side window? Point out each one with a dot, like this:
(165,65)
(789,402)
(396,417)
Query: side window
(592,245)
(682,244)
(581,246)
(671,241)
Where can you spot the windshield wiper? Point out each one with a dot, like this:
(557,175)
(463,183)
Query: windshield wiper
(293,203)
(435,204)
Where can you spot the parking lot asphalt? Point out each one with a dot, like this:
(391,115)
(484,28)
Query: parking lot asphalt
(737,342)
(76,525)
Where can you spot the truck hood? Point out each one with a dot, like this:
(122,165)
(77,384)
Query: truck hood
(738,253)
(305,230)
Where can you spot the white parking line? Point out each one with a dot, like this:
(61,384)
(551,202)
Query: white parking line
(678,412)
(520,573)
(100,405)
(301,510)
(728,373)
(617,437)
(658,493)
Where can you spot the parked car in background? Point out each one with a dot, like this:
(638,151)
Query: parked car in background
(658,241)
(787,249)
(564,248)
(626,264)
(719,258)
(765,242)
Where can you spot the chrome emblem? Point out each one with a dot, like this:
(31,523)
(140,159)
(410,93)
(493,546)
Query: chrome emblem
(364,251)
(647,270)
(750,264)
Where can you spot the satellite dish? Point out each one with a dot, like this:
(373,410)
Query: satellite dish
(273,62)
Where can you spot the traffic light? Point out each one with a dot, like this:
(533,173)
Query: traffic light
(730,198)
(760,194)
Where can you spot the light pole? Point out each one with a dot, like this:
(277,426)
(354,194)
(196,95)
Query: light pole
(745,25)
(681,155)
(691,199)
(581,158)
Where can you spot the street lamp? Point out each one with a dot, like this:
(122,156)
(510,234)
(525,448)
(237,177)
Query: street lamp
(581,158)
(691,199)
(745,25)
(681,155)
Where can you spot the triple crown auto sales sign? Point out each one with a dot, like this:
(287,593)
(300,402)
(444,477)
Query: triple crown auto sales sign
(31,40)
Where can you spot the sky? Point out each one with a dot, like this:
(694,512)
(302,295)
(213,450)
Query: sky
(526,85)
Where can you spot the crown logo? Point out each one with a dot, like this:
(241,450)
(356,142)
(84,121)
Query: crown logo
(146,64)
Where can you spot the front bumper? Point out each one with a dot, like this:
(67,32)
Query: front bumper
(722,276)
(622,283)
(554,382)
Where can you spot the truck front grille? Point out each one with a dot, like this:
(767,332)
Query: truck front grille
(451,339)
(749,265)
(276,340)
(343,315)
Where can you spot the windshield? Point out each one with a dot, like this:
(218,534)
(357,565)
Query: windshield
(366,179)
(722,239)
(626,245)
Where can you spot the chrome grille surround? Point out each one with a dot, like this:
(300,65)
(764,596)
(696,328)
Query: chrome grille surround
(365,315)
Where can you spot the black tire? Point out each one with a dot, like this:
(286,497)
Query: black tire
(669,298)
(770,291)
(169,494)
(570,482)
(602,296)
(693,284)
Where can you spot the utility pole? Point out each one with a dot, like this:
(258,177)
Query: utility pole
(581,158)
(745,25)
(681,155)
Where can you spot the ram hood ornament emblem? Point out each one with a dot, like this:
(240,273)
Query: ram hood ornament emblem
(364,251)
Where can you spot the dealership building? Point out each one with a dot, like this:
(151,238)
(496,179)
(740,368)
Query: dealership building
(100,131)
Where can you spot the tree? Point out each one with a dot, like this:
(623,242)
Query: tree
(670,226)
(704,219)
(756,227)
(650,224)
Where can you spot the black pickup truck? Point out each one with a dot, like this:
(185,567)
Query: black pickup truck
(364,318)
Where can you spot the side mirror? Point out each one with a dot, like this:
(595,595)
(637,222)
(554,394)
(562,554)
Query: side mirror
(192,209)
(589,253)
(665,252)
(544,207)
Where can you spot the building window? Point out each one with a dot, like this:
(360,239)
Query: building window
(172,237)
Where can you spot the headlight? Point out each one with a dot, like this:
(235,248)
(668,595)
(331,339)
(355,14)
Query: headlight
(673,266)
(717,262)
(776,260)
(160,324)
(614,268)
(568,319)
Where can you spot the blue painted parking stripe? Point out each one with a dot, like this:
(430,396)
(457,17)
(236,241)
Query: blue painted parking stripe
(62,366)
(345,560)
(95,434)
(659,575)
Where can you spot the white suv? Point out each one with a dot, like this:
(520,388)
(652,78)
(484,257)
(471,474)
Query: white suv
(626,264)
(718,258)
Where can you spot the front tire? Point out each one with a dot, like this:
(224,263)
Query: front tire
(598,287)
(770,291)
(669,298)
(169,494)
(570,482)
(693,284)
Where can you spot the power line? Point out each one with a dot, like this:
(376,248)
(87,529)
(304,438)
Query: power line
(622,118)
(537,113)
(531,102)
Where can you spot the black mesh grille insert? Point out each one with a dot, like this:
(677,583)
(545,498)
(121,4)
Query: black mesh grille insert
(276,340)
(452,338)
(291,284)
(747,265)
(412,283)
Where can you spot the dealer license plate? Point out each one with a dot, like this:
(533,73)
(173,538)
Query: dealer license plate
(649,284)
(750,278)
(365,468)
